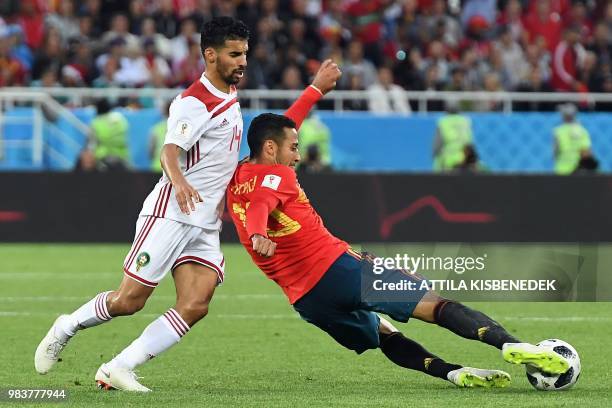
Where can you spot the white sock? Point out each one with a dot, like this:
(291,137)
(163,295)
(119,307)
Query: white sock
(159,336)
(90,314)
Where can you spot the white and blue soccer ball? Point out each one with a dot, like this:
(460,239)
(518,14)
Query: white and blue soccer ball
(556,382)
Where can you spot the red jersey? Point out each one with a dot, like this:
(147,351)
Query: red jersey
(305,248)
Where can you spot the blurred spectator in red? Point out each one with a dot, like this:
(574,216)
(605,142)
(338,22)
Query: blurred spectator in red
(477,37)
(366,21)
(545,23)
(387,97)
(357,65)
(184,8)
(31,19)
(71,77)
(568,58)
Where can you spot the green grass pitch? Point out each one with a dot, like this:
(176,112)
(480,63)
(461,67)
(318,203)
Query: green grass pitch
(253,350)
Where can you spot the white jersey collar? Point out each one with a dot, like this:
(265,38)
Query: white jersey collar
(212,89)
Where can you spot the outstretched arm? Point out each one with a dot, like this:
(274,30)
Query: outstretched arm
(323,82)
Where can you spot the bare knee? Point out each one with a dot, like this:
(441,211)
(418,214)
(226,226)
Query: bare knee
(192,311)
(426,308)
(125,303)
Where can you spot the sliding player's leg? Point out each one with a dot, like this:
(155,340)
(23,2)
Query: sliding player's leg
(475,325)
(409,354)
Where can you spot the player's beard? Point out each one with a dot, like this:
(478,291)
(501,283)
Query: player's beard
(230,78)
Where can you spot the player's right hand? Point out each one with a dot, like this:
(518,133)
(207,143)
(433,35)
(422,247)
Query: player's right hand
(262,245)
(326,77)
(186,196)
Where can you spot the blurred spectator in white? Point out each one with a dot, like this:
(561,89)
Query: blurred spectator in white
(356,65)
(116,49)
(162,44)
(119,28)
(65,21)
(512,18)
(134,69)
(514,63)
(158,67)
(568,59)
(387,97)
(166,20)
(181,43)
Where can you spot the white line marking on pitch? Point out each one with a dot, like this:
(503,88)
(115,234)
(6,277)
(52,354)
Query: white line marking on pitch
(248,296)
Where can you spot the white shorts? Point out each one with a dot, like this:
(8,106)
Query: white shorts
(160,245)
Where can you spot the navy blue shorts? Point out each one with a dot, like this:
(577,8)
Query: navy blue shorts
(336,305)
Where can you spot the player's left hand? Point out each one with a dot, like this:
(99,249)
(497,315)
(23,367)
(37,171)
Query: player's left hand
(327,76)
(262,245)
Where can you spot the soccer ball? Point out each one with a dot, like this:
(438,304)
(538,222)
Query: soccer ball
(556,382)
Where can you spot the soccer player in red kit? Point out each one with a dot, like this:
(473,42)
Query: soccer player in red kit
(322,276)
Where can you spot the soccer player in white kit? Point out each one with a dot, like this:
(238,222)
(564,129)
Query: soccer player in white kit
(178,227)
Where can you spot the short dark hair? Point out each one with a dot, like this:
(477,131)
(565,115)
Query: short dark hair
(216,31)
(265,127)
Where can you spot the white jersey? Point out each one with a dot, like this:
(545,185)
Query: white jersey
(207,124)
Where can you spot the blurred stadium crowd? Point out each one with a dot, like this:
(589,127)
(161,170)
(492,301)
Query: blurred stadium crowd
(455,45)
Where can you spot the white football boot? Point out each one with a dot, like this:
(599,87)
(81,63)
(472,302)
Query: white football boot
(543,358)
(475,377)
(48,351)
(118,378)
